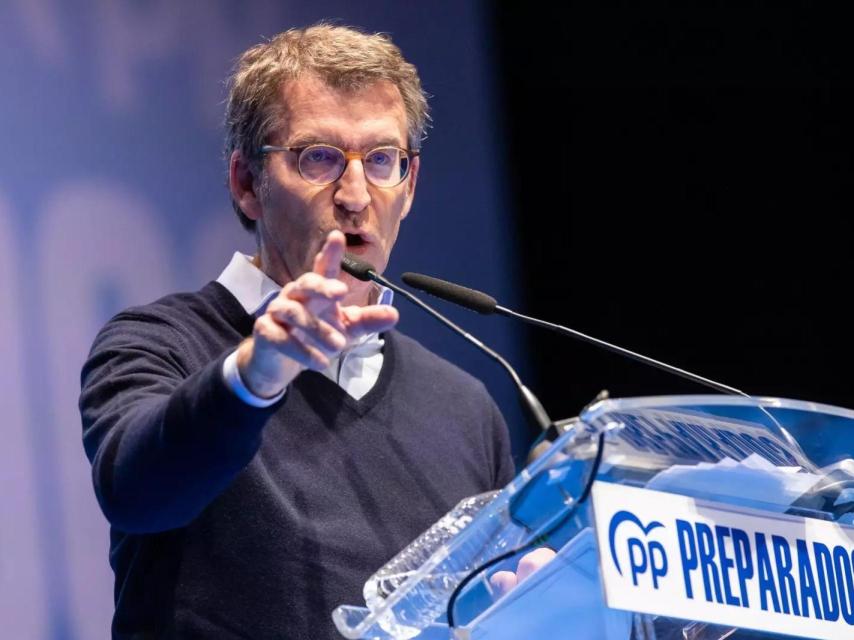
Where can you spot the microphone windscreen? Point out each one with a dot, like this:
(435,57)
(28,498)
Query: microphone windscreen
(359,269)
(463,296)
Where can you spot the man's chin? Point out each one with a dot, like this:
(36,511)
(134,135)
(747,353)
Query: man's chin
(360,292)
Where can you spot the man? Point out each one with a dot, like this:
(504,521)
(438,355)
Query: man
(263,445)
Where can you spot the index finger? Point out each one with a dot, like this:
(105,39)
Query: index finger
(328,262)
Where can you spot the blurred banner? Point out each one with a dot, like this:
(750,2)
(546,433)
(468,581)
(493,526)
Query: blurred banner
(112,192)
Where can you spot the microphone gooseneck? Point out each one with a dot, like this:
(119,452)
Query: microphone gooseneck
(477,301)
(364,271)
(463,296)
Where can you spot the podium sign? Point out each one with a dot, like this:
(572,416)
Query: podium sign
(681,557)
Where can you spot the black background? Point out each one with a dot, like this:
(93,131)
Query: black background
(682,180)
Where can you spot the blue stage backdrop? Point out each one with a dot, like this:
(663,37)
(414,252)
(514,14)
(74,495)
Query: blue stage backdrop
(112,193)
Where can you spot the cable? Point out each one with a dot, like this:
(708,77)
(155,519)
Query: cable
(538,541)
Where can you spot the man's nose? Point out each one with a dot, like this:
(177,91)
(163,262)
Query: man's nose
(351,192)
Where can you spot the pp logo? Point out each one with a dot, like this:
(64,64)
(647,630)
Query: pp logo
(644,555)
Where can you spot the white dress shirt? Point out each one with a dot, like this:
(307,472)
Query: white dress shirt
(356,370)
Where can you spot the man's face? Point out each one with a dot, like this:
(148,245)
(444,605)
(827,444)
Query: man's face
(295,216)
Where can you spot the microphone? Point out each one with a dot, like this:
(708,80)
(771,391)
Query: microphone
(364,271)
(486,304)
(359,269)
(463,296)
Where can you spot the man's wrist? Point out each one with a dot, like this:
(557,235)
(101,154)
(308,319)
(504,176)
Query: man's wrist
(233,379)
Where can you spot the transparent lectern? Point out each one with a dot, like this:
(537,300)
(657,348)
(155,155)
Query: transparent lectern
(689,517)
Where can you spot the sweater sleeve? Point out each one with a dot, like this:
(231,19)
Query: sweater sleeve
(163,442)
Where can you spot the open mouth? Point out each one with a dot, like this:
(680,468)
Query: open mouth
(354,240)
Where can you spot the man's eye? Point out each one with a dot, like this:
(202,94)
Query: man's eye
(318,155)
(381,158)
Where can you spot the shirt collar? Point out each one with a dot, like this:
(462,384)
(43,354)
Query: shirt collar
(254,289)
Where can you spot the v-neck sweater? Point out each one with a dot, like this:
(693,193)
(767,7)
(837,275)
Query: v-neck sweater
(230,521)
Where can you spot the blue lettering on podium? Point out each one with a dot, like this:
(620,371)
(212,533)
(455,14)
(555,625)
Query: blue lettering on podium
(726,564)
(807,581)
(637,561)
(845,582)
(711,444)
(826,581)
(766,575)
(643,555)
(647,558)
(696,441)
(732,442)
(792,577)
(786,456)
(743,563)
(708,569)
(783,559)
(687,553)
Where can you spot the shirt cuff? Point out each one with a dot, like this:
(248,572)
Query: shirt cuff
(236,384)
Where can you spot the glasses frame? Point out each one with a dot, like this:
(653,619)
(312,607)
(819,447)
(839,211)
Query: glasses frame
(411,154)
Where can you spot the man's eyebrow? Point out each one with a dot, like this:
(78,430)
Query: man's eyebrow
(306,140)
(388,142)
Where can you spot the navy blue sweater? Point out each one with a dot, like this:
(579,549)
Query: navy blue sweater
(230,521)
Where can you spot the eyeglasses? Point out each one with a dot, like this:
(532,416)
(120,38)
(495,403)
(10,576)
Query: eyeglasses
(323,164)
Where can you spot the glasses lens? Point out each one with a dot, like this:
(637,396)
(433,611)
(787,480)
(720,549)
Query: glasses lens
(387,166)
(320,164)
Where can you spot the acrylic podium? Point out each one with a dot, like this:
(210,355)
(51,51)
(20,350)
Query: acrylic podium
(689,517)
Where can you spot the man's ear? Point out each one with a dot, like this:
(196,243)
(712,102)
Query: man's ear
(411,183)
(241,183)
